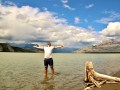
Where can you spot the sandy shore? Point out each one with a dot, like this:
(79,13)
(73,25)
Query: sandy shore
(110,86)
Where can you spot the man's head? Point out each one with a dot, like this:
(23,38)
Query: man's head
(48,44)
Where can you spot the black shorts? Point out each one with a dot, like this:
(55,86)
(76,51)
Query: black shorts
(48,62)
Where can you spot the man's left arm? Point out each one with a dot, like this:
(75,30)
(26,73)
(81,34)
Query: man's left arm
(58,46)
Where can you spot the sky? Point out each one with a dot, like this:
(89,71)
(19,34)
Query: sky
(72,23)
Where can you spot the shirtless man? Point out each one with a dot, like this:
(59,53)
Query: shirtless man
(48,60)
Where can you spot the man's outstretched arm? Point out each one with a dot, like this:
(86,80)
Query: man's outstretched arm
(59,46)
(39,47)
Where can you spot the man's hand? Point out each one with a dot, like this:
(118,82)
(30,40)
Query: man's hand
(36,45)
(62,45)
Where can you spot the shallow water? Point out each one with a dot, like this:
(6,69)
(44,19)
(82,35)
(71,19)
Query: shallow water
(25,71)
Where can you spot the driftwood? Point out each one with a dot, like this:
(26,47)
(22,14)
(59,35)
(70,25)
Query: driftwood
(95,79)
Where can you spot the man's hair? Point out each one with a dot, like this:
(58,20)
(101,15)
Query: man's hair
(48,43)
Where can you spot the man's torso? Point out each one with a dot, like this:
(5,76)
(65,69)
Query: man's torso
(48,51)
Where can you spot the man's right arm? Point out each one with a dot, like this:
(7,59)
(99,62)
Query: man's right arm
(39,47)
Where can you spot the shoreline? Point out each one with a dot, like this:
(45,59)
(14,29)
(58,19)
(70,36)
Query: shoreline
(111,86)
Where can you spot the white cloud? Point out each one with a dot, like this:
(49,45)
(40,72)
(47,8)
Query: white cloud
(77,20)
(91,28)
(89,6)
(64,1)
(68,7)
(45,9)
(27,24)
(112,17)
(7,3)
(65,5)
(112,30)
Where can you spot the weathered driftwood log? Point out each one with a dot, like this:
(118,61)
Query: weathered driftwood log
(93,85)
(96,78)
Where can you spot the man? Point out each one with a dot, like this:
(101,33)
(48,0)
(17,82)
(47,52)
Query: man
(48,56)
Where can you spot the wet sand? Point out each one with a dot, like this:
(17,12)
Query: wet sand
(115,86)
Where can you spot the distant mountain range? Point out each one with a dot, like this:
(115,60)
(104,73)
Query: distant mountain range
(13,47)
(109,46)
(30,46)
(4,47)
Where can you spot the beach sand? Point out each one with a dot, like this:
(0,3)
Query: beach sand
(115,86)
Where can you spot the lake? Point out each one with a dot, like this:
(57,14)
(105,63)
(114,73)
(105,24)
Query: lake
(25,71)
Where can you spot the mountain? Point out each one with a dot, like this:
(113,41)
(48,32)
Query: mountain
(109,46)
(65,50)
(30,46)
(4,47)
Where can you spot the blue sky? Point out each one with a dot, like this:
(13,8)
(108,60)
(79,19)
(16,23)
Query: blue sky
(88,11)
(92,15)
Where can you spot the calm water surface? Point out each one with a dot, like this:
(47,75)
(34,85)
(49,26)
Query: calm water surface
(25,71)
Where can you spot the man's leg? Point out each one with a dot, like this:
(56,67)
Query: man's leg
(45,71)
(46,67)
(52,70)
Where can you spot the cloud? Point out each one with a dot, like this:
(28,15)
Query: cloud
(77,20)
(89,6)
(68,7)
(28,24)
(65,5)
(45,9)
(7,3)
(112,30)
(91,28)
(112,17)
(64,1)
